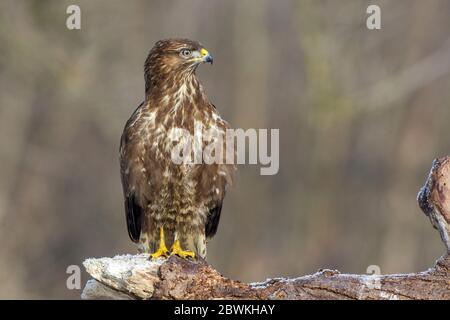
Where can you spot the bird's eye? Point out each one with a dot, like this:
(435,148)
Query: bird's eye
(185,53)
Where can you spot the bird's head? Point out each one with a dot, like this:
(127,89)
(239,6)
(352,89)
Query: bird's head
(174,57)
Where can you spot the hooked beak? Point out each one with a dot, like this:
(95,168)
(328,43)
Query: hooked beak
(206,56)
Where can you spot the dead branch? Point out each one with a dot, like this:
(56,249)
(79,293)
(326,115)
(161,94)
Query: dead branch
(136,277)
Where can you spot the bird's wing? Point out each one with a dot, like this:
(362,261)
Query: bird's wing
(133,210)
(220,176)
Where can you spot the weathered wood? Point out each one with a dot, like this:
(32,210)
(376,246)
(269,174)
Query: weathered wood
(129,276)
(434,198)
(136,277)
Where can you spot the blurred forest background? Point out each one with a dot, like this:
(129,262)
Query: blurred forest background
(361,114)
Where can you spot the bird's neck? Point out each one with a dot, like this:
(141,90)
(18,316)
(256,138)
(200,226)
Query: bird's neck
(175,91)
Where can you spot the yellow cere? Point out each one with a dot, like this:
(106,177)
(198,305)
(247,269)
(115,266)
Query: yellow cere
(204,52)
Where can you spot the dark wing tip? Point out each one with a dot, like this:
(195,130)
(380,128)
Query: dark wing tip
(212,222)
(133,213)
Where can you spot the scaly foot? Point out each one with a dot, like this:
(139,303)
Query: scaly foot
(176,250)
(162,250)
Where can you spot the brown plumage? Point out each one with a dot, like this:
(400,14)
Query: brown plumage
(184,199)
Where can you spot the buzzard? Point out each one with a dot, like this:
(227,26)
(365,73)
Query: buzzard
(167,204)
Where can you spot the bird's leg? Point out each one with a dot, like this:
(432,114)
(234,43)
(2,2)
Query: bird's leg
(176,249)
(162,250)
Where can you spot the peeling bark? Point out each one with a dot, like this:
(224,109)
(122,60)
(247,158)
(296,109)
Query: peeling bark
(434,198)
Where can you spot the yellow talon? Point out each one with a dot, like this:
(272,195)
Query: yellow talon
(162,250)
(176,250)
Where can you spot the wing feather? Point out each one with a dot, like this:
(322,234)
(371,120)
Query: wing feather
(133,214)
(212,221)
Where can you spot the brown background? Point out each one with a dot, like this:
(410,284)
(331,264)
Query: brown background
(361,116)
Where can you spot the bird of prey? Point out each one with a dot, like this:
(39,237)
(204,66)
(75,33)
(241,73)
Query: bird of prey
(170,205)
